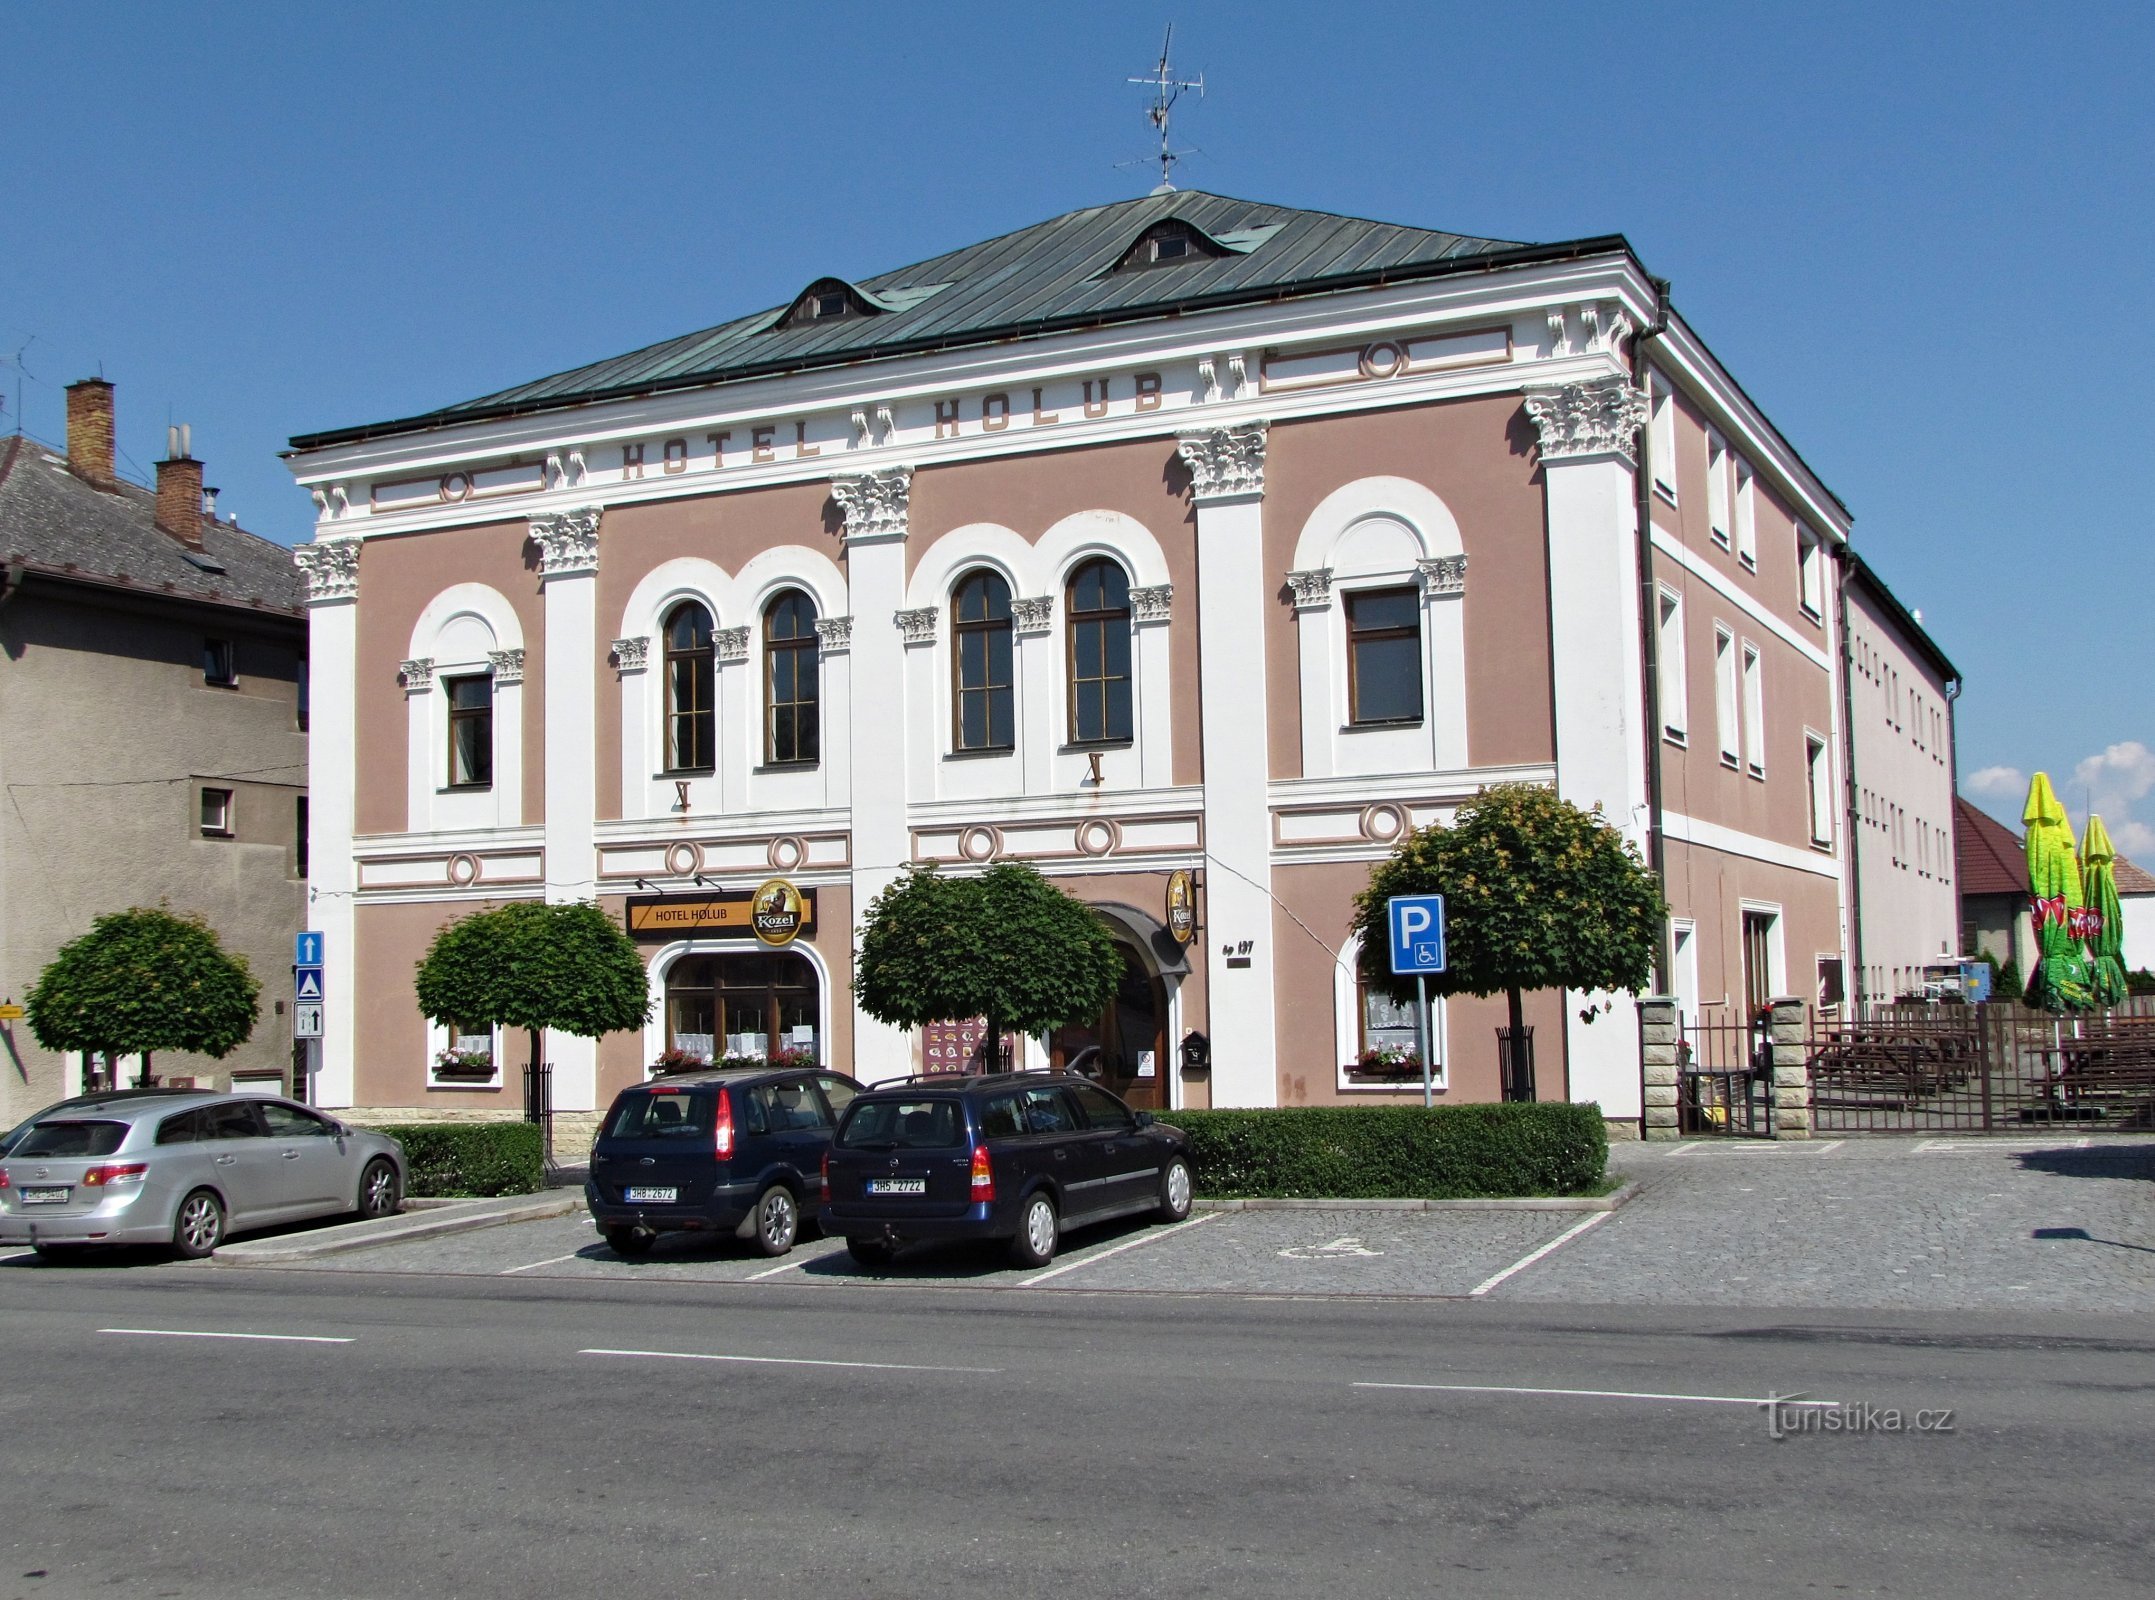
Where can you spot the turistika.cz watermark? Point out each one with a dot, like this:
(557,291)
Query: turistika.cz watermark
(1791,1416)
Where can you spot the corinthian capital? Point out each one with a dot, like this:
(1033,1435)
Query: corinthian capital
(1224,461)
(874,503)
(329,568)
(568,543)
(1587,419)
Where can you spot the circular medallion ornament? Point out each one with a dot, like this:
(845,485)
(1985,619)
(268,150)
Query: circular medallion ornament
(777,912)
(786,853)
(1098,837)
(684,859)
(463,870)
(1383,823)
(979,844)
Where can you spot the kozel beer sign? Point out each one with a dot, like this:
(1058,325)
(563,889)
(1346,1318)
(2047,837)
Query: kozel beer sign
(778,912)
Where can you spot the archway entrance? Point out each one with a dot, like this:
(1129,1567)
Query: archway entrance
(757,1004)
(1126,1050)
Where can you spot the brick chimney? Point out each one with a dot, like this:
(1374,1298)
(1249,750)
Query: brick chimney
(89,431)
(179,490)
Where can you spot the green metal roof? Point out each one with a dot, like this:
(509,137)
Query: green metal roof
(1051,276)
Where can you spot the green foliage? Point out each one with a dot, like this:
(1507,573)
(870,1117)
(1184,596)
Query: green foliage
(471,1158)
(1007,945)
(2139,983)
(1397,1152)
(144,980)
(1537,895)
(528,965)
(2007,983)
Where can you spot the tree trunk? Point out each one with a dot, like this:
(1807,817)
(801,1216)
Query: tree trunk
(148,1079)
(534,1089)
(1515,1063)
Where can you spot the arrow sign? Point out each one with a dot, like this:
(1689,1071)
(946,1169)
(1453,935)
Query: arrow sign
(307,950)
(307,1021)
(307,983)
(1417,927)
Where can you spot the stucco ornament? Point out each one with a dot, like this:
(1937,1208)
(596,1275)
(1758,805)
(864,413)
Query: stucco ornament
(1224,461)
(834,634)
(1153,603)
(732,643)
(918,626)
(329,568)
(1587,419)
(1312,589)
(418,674)
(632,655)
(508,666)
(1442,575)
(874,503)
(1032,613)
(568,542)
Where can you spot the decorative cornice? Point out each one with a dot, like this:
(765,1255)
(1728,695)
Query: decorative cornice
(329,568)
(568,542)
(1152,604)
(834,634)
(1032,613)
(874,503)
(631,655)
(917,626)
(732,643)
(1224,461)
(1442,575)
(1598,418)
(418,675)
(1312,589)
(508,666)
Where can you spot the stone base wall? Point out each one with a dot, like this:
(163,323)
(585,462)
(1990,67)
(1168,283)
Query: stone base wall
(1657,1056)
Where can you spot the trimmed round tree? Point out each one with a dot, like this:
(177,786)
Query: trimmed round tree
(528,965)
(1007,946)
(1538,894)
(141,981)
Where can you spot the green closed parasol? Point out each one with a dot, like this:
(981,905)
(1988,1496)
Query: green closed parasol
(2060,979)
(2105,917)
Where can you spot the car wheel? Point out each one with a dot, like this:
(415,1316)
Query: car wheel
(1175,1191)
(1039,1231)
(778,1221)
(379,1191)
(198,1226)
(869,1252)
(630,1241)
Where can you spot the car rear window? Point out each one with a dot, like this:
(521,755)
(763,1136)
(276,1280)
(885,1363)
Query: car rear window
(71,1139)
(663,1114)
(902,1125)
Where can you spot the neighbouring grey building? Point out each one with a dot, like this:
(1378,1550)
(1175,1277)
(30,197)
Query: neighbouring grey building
(153,733)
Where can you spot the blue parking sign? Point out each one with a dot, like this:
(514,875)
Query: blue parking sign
(1417,922)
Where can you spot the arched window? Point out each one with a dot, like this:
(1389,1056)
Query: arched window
(691,690)
(1098,609)
(982,711)
(791,692)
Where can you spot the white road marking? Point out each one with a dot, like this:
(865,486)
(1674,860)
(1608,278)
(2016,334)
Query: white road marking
(1683,1149)
(533,1266)
(195,1333)
(1760,1401)
(1525,1261)
(20,1255)
(1127,1244)
(1969,1147)
(783,1361)
(783,1266)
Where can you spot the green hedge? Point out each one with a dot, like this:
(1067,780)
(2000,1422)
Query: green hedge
(466,1158)
(1396,1152)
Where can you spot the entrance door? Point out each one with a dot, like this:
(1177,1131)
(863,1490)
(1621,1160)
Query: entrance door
(1758,977)
(1126,1051)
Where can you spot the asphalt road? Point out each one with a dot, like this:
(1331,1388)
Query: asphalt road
(516,1437)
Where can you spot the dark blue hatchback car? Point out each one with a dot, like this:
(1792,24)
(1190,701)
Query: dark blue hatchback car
(736,1153)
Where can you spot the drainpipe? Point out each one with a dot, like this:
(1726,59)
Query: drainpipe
(1649,620)
(1855,981)
(1952,738)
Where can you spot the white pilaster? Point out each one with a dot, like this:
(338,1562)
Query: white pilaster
(1227,487)
(568,570)
(1589,437)
(875,507)
(1151,608)
(330,569)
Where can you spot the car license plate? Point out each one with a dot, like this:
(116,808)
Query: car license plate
(45,1197)
(656,1197)
(897,1185)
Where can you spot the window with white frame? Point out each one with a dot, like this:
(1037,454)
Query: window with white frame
(1661,437)
(1810,572)
(1746,516)
(1669,660)
(1754,711)
(217,812)
(1717,487)
(1725,692)
(1384,657)
(1818,773)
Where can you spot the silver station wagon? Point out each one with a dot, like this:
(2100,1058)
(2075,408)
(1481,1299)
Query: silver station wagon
(185,1167)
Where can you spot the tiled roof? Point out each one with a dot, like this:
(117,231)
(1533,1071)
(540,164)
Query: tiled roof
(2131,878)
(1987,855)
(52,521)
(1051,276)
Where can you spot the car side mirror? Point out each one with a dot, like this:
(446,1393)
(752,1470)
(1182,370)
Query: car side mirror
(1145,1119)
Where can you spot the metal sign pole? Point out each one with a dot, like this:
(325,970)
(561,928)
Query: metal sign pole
(1422,1032)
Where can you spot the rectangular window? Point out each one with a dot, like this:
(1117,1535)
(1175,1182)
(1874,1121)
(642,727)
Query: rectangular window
(1661,437)
(1670,676)
(1717,487)
(471,732)
(1810,572)
(1384,657)
(299,850)
(306,690)
(217,665)
(1746,517)
(217,812)
(1754,712)
(1819,771)
(1725,692)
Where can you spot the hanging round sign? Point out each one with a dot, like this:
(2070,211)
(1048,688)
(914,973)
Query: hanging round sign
(777,912)
(1181,905)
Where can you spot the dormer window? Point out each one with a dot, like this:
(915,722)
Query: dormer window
(1167,244)
(826,300)
(830,303)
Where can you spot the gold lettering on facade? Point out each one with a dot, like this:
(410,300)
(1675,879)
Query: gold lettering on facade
(1099,410)
(1042,419)
(946,420)
(801,446)
(761,442)
(632,461)
(994,413)
(676,456)
(718,443)
(1148,391)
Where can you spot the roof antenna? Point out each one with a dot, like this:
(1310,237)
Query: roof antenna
(1166,90)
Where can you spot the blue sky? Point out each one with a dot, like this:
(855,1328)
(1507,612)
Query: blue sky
(1919,235)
